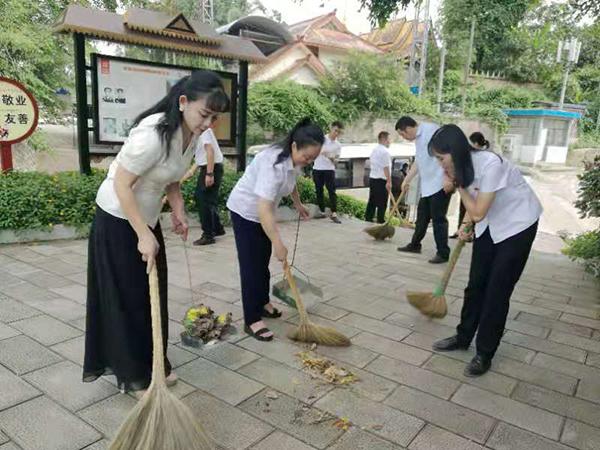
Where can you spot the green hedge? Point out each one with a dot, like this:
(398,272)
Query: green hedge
(585,248)
(32,200)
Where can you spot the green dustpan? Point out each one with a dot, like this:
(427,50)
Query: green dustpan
(283,292)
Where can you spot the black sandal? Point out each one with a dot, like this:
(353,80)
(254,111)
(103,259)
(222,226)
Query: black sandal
(276,314)
(259,334)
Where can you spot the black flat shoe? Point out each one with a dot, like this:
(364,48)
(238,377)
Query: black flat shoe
(220,233)
(449,344)
(437,259)
(205,241)
(276,314)
(259,334)
(410,249)
(478,366)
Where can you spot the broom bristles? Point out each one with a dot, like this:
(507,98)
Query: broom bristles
(160,421)
(311,333)
(428,304)
(381,232)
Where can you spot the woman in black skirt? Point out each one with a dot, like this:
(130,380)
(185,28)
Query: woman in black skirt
(126,239)
(271,176)
(505,211)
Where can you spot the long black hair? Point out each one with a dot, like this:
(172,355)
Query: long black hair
(479,139)
(450,139)
(200,83)
(303,134)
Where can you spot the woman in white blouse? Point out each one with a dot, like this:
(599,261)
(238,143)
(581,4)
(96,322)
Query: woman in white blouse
(271,176)
(126,239)
(505,211)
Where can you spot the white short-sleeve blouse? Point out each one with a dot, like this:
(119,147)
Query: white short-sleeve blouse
(145,155)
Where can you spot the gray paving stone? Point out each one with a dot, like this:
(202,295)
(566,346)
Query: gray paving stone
(9,446)
(392,349)
(541,345)
(537,310)
(327,311)
(58,267)
(219,381)
(527,328)
(3,439)
(382,420)
(589,389)
(44,279)
(535,375)
(62,382)
(100,445)
(353,355)
(507,437)
(584,322)
(7,332)
(561,404)
(416,377)
(108,415)
(581,436)
(74,292)
(356,439)
(40,424)
(442,413)
(13,390)
(593,359)
(278,349)
(553,324)
(571,368)
(281,441)
(377,327)
(589,345)
(18,268)
(22,354)
(46,249)
(179,356)
(292,382)
(78,323)
(63,309)
(434,438)
(357,304)
(294,418)
(226,354)
(46,330)
(73,349)
(11,310)
(493,382)
(421,325)
(370,385)
(508,410)
(591,312)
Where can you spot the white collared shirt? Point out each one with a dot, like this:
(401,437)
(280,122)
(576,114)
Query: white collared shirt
(515,207)
(263,179)
(431,173)
(380,159)
(330,149)
(145,155)
(208,138)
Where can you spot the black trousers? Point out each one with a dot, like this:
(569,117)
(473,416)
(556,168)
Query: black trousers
(378,199)
(254,254)
(325,178)
(495,270)
(207,201)
(433,209)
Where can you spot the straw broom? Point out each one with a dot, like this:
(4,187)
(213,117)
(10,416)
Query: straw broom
(433,304)
(386,230)
(307,331)
(160,421)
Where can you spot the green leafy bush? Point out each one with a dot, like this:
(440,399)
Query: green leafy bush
(585,249)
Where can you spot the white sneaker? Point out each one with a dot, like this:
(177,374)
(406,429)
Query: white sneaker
(171,380)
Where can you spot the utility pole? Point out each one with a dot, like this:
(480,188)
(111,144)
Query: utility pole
(441,77)
(206,11)
(467,68)
(413,47)
(423,65)
(573,47)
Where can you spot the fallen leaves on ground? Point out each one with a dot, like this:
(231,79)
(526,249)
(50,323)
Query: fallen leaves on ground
(326,370)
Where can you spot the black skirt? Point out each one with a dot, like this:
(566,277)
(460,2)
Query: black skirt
(118,338)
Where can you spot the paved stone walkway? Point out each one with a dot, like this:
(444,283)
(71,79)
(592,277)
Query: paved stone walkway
(543,392)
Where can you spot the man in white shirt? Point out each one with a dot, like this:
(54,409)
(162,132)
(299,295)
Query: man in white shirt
(435,197)
(324,171)
(210,161)
(380,178)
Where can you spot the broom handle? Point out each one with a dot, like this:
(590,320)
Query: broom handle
(158,357)
(441,288)
(292,282)
(395,206)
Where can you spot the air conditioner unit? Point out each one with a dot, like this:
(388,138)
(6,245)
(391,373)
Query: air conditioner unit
(510,145)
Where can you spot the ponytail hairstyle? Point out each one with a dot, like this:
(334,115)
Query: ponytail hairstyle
(450,139)
(201,83)
(304,133)
(479,139)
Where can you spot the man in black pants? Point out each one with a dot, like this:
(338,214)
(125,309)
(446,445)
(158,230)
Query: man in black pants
(380,178)
(324,171)
(435,196)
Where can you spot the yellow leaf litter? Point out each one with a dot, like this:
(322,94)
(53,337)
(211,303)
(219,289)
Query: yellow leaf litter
(326,370)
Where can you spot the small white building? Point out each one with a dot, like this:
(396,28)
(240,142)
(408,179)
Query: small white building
(539,135)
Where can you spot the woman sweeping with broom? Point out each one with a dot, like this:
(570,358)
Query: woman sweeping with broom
(126,240)
(505,211)
(271,176)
